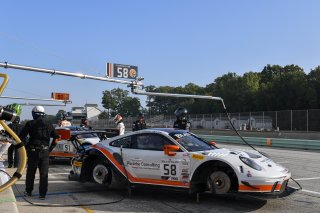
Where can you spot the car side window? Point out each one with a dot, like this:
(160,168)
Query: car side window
(124,142)
(150,142)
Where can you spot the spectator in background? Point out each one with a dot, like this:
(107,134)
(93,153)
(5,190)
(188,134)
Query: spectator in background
(85,123)
(182,121)
(120,125)
(64,121)
(139,124)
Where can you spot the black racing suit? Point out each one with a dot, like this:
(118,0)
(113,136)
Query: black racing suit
(182,124)
(12,151)
(138,125)
(38,150)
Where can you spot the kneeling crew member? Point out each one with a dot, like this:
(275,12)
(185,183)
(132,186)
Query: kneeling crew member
(38,150)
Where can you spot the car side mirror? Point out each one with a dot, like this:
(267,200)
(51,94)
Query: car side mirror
(65,134)
(212,143)
(170,149)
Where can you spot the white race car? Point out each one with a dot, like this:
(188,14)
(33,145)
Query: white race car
(179,159)
(67,149)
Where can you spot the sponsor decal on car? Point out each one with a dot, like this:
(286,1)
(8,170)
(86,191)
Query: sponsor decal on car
(217,155)
(77,163)
(143,165)
(197,157)
(170,168)
(177,136)
(185,171)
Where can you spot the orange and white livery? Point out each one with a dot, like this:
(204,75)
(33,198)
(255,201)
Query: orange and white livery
(179,159)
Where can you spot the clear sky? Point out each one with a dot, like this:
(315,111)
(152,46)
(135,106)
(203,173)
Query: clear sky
(173,42)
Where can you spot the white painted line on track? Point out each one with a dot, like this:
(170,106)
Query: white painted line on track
(314,178)
(312,192)
(65,173)
(308,191)
(21,182)
(52,174)
(59,181)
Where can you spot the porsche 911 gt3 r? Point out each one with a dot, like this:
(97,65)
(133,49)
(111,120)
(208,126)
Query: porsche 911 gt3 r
(66,149)
(179,159)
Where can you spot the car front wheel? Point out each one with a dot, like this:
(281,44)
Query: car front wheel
(219,182)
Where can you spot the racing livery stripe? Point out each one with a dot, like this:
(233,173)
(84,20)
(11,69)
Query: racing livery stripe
(139,180)
(61,154)
(259,188)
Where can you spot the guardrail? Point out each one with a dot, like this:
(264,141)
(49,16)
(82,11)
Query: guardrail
(271,142)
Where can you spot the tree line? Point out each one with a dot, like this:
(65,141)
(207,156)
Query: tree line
(272,89)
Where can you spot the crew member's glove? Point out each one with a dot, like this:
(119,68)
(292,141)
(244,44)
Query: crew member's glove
(53,144)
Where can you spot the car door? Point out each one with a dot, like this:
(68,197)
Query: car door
(146,160)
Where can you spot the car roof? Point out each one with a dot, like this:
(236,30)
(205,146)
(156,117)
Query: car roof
(165,130)
(72,128)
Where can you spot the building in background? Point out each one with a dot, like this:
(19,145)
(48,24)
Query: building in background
(92,112)
(89,111)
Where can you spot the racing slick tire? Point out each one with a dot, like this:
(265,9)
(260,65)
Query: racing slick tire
(101,172)
(219,182)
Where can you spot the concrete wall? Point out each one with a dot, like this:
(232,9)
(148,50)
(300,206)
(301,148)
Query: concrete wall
(287,135)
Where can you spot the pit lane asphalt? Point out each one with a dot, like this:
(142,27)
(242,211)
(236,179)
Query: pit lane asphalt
(304,166)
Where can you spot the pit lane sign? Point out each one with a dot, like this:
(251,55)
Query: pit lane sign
(121,71)
(60,96)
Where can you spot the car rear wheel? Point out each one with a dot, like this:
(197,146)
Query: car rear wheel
(101,173)
(219,182)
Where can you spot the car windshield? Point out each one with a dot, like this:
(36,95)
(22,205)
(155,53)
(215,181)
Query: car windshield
(191,142)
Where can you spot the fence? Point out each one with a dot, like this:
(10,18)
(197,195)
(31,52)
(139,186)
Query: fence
(287,120)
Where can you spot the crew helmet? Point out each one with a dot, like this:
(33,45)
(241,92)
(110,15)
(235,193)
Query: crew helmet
(181,113)
(117,118)
(15,108)
(65,116)
(37,111)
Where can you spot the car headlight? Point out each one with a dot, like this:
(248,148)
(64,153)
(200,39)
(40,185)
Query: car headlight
(250,163)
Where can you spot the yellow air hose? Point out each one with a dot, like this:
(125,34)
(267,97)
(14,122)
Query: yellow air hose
(21,150)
